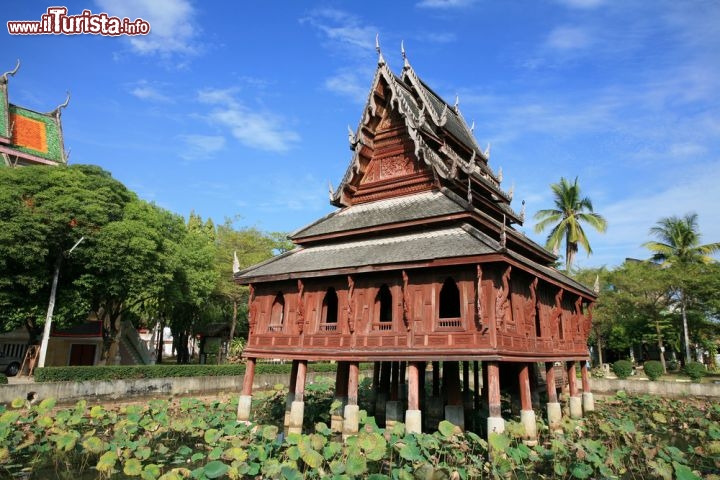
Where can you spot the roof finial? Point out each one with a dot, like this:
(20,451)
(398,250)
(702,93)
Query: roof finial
(457,102)
(487,152)
(56,112)
(381,60)
(522,212)
(499,175)
(596,287)
(4,77)
(236,263)
(472,127)
(351,138)
(404,55)
(511,191)
(331,190)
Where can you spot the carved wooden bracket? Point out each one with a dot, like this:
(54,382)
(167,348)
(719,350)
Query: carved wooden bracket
(406,301)
(478,297)
(351,289)
(557,310)
(300,310)
(501,301)
(531,306)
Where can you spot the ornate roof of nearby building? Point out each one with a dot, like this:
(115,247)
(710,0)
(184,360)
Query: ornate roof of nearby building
(26,136)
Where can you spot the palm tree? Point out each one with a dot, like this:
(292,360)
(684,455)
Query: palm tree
(571,210)
(679,246)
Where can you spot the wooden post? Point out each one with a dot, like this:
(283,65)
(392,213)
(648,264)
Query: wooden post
(476,381)
(403,367)
(352,383)
(249,377)
(524,379)
(527,414)
(550,382)
(574,401)
(293,377)
(413,386)
(588,401)
(376,376)
(341,379)
(385,377)
(495,422)
(300,381)
(395,381)
(351,414)
(466,377)
(422,367)
(585,378)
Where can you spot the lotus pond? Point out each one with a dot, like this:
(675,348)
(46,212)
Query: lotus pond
(626,438)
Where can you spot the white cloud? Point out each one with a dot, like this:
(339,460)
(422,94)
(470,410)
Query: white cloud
(344,30)
(445,3)
(198,147)
(568,38)
(349,84)
(172,29)
(145,91)
(254,128)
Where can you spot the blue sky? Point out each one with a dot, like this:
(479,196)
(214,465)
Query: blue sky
(242,108)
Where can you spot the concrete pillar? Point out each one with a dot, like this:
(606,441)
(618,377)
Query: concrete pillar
(495,422)
(527,414)
(351,415)
(588,401)
(245,401)
(554,409)
(413,415)
(575,402)
(297,407)
(341,389)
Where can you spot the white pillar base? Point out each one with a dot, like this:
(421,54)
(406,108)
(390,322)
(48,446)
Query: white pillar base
(336,416)
(351,422)
(393,413)
(575,407)
(288,405)
(297,410)
(495,424)
(527,418)
(554,416)
(413,421)
(588,402)
(455,415)
(244,404)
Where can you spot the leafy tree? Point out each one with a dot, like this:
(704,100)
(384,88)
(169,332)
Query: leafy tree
(566,219)
(43,212)
(678,247)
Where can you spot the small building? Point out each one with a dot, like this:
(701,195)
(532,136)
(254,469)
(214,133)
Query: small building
(420,265)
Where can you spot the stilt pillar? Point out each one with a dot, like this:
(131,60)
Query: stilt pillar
(383,391)
(436,379)
(554,410)
(476,385)
(297,408)
(393,407)
(575,402)
(588,402)
(341,391)
(245,401)
(527,414)
(495,422)
(413,415)
(291,395)
(351,417)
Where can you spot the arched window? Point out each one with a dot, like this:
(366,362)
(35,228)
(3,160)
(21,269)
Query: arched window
(449,311)
(277,313)
(329,311)
(383,308)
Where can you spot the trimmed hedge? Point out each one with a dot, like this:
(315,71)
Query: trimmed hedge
(695,370)
(653,369)
(119,372)
(622,368)
(3,379)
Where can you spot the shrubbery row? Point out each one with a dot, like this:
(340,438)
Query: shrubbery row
(119,372)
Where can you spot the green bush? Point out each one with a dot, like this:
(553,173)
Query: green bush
(695,370)
(653,369)
(3,379)
(622,368)
(673,365)
(118,372)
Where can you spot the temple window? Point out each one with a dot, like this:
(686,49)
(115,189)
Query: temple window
(329,317)
(383,309)
(449,311)
(277,314)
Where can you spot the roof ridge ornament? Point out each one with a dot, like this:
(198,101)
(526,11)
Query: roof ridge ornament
(331,190)
(4,77)
(352,139)
(406,63)
(499,175)
(503,235)
(522,212)
(457,103)
(57,110)
(381,59)
(487,152)
(472,129)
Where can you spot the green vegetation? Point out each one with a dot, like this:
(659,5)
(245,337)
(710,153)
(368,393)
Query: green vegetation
(566,219)
(695,370)
(628,437)
(653,369)
(622,369)
(3,379)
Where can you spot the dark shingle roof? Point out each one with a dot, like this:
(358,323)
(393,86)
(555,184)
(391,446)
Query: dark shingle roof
(448,242)
(382,212)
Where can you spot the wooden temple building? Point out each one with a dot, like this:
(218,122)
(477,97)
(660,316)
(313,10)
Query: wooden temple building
(420,264)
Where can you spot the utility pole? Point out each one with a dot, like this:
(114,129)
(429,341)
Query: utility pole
(51,306)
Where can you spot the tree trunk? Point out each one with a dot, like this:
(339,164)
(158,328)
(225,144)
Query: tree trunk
(234,320)
(686,336)
(599,347)
(160,344)
(661,348)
